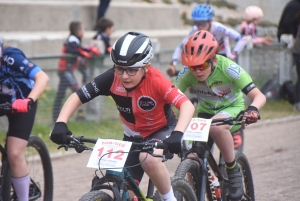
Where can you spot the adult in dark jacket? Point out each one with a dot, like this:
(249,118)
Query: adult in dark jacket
(288,23)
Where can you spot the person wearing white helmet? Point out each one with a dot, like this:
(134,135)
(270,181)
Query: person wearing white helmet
(202,16)
(144,99)
(252,17)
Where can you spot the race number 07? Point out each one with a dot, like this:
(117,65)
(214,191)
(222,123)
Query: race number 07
(195,125)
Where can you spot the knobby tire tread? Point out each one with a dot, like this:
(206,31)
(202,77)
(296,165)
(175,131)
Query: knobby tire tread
(181,189)
(96,196)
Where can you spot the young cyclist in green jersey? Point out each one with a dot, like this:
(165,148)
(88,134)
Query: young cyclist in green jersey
(218,83)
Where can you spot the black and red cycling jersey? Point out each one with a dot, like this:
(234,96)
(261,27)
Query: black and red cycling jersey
(145,109)
(72,46)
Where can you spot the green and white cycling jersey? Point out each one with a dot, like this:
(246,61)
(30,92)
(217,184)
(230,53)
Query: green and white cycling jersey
(221,90)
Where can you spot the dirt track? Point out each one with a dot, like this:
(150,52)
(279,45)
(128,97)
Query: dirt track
(272,148)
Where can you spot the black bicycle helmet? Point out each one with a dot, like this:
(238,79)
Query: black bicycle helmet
(133,50)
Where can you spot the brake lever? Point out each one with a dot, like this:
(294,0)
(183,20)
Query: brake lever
(66,147)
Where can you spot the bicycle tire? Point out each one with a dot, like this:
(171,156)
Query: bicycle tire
(242,161)
(189,166)
(5,181)
(182,190)
(96,196)
(43,179)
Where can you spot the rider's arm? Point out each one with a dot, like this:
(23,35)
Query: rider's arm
(40,82)
(70,106)
(186,113)
(100,85)
(234,35)
(257,97)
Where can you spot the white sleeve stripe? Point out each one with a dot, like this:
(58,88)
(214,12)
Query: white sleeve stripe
(126,43)
(143,47)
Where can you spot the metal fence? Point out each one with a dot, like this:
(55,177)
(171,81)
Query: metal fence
(262,63)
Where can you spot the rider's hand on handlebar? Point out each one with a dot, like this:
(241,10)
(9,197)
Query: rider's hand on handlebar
(251,115)
(173,143)
(22,105)
(59,133)
(171,71)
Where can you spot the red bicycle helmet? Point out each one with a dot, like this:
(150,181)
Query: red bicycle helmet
(200,47)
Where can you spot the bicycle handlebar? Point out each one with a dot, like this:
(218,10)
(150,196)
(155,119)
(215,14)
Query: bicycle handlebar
(78,144)
(230,120)
(5,107)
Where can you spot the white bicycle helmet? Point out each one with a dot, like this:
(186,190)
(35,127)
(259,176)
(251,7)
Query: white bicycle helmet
(132,50)
(253,13)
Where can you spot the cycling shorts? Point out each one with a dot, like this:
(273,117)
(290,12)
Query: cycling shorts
(137,172)
(20,124)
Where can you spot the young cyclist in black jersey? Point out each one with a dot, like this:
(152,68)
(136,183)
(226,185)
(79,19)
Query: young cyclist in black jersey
(143,97)
(21,83)
(218,83)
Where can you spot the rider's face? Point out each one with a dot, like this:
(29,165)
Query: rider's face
(130,81)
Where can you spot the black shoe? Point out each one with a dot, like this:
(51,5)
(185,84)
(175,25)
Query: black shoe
(236,187)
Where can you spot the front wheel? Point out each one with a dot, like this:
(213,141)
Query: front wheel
(40,170)
(96,196)
(242,161)
(189,170)
(182,190)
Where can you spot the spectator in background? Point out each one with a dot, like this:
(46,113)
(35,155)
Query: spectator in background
(102,39)
(103,5)
(252,16)
(296,55)
(288,23)
(66,66)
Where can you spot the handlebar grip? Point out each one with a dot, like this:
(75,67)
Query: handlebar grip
(160,145)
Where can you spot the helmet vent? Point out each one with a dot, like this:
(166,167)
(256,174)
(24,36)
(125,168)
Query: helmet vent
(199,49)
(196,36)
(210,50)
(204,36)
(192,50)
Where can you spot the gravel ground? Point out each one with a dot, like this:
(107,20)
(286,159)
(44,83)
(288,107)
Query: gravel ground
(272,148)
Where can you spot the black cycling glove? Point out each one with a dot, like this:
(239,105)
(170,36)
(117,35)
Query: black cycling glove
(173,143)
(59,133)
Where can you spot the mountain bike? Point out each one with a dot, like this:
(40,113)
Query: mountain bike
(201,169)
(39,165)
(114,186)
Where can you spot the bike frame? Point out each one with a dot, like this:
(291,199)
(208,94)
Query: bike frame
(127,180)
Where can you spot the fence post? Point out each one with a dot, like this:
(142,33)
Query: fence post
(285,65)
(94,108)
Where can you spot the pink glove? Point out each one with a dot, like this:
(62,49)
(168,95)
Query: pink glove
(22,105)
(94,50)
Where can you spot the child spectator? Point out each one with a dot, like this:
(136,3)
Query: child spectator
(252,16)
(67,66)
(102,38)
